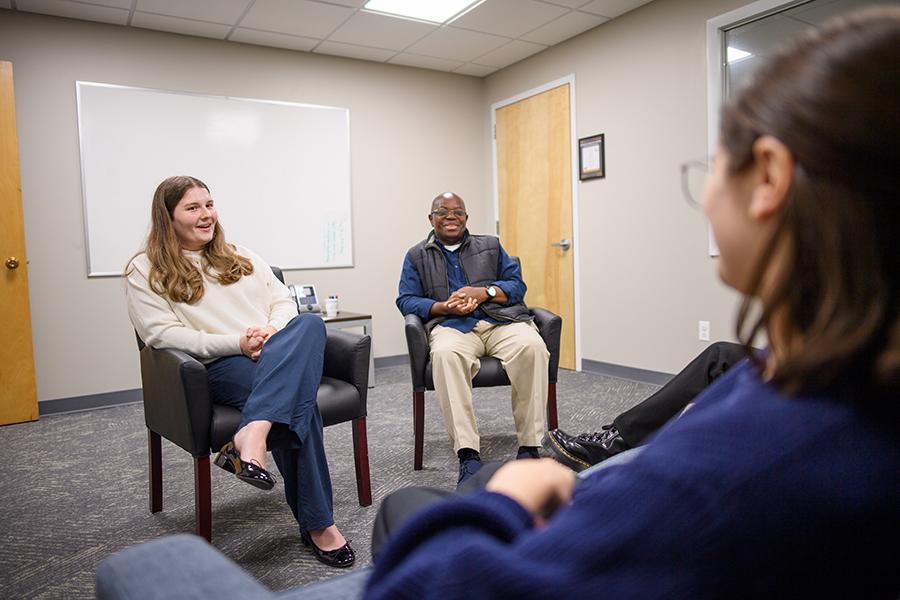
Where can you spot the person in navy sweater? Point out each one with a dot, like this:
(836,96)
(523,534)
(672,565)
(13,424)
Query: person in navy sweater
(782,479)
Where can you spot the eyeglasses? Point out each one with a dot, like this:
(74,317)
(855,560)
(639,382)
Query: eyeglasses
(694,174)
(443,213)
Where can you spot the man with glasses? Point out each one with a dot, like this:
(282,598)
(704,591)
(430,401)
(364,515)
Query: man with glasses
(469,293)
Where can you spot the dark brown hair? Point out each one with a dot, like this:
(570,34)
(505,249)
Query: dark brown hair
(828,279)
(171,273)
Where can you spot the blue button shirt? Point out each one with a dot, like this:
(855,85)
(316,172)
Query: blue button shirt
(412,299)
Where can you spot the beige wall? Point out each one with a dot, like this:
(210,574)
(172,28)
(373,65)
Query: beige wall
(646,277)
(414,133)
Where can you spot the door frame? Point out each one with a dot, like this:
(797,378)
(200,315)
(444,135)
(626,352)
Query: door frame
(568,79)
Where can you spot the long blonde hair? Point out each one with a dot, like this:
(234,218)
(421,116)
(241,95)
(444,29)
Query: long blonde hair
(172,274)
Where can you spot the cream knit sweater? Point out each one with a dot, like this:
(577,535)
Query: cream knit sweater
(212,327)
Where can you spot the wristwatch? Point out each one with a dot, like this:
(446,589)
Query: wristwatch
(491,292)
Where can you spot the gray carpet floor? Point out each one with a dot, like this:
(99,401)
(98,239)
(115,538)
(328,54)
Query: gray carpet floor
(73,488)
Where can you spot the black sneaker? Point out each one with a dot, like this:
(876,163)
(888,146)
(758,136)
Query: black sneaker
(467,468)
(585,450)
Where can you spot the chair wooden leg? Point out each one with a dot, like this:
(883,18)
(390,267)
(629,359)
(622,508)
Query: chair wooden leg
(203,497)
(154,447)
(552,421)
(361,459)
(418,428)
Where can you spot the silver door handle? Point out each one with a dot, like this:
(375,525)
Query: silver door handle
(564,244)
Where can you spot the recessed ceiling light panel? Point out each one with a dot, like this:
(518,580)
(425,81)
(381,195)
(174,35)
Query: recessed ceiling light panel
(433,11)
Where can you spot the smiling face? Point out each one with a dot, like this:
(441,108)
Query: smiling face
(194,219)
(448,217)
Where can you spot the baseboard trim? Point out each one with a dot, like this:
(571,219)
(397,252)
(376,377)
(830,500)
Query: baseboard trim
(89,402)
(396,360)
(92,401)
(622,372)
(61,406)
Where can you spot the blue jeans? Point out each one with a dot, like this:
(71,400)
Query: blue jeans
(281,387)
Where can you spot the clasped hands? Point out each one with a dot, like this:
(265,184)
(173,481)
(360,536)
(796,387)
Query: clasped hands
(465,300)
(253,340)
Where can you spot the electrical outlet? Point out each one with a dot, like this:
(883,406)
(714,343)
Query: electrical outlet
(703,330)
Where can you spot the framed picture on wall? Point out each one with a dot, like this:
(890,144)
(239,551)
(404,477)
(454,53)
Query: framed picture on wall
(591,158)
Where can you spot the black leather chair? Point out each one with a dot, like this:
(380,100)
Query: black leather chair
(177,407)
(491,374)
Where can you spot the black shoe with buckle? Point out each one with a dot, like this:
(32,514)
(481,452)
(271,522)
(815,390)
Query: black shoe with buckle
(585,450)
(248,472)
(341,558)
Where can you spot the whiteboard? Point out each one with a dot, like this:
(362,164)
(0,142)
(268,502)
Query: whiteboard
(279,172)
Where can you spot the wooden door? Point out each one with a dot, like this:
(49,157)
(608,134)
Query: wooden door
(18,396)
(534,184)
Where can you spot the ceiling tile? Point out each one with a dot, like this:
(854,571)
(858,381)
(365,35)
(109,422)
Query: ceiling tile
(379,31)
(351,3)
(351,51)
(475,70)
(512,52)
(567,3)
(457,44)
(426,62)
(510,18)
(112,3)
(276,40)
(217,11)
(176,25)
(296,17)
(612,8)
(74,10)
(563,28)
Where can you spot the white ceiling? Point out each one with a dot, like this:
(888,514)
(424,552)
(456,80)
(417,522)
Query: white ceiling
(493,35)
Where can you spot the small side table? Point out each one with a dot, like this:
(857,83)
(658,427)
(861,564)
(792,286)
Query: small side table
(346,320)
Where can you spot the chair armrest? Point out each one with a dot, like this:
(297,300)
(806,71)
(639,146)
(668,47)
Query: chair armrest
(417,346)
(550,327)
(181,566)
(347,359)
(176,398)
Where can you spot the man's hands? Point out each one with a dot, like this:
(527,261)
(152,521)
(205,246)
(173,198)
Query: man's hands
(459,304)
(479,294)
(465,300)
(540,486)
(253,340)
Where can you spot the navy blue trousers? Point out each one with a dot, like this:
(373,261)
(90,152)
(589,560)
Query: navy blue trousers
(281,387)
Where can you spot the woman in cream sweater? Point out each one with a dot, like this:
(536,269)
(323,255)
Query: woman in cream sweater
(221,303)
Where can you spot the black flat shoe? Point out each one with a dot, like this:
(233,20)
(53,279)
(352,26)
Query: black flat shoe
(341,558)
(251,473)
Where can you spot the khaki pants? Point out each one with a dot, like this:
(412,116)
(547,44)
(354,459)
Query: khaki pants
(454,363)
